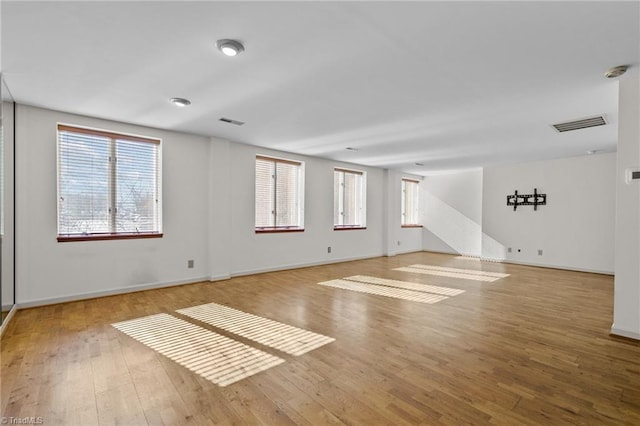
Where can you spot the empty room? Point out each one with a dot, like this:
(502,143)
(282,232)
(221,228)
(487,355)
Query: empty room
(299,212)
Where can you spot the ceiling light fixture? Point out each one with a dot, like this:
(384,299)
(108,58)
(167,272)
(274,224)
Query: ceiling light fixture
(616,71)
(180,102)
(230,47)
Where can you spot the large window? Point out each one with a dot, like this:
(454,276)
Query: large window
(410,203)
(349,199)
(108,185)
(279,195)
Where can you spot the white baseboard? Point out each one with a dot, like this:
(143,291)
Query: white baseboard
(542,265)
(223,277)
(301,265)
(111,292)
(5,323)
(625,333)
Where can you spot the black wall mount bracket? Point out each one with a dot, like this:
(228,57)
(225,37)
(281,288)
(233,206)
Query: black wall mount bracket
(534,199)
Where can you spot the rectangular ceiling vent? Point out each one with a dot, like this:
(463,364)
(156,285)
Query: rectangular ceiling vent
(584,123)
(230,121)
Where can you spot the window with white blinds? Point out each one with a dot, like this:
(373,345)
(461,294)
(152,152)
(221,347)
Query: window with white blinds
(349,199)
(279,195)
(108,185)
(410,204)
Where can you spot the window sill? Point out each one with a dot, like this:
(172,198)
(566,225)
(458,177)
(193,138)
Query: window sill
(278,229)
(100,237)
(412,226)
(348,228)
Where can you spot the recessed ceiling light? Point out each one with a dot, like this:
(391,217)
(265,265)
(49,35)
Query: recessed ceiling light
(229,47)
(616,71)
(180,102)
(351,149)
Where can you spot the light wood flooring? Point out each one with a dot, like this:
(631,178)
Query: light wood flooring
(530,348)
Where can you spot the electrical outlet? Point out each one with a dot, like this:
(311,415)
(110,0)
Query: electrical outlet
(329,249)
(190,263)
(539,252)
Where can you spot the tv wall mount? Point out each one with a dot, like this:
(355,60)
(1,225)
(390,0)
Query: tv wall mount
(534,199)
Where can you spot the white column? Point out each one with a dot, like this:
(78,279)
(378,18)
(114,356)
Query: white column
(626,310)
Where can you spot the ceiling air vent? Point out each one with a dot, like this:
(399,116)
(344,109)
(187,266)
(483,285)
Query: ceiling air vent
(230,121)
(580,124)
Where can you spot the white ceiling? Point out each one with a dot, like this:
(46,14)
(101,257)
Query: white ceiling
(451,85)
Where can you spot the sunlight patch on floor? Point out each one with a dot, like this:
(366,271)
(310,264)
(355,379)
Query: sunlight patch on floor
(213,356)
(381,290)
(285,338)
(441,271)
(446,291)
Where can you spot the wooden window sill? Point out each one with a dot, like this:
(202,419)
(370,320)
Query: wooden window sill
(348,228)
(100,237)
(412,226)
(276,230)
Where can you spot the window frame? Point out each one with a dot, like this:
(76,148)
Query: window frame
(362,202)
(112,190)
(403,203)
(299,195)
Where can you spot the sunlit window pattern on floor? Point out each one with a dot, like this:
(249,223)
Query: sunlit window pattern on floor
(283,337)
(446,291)
(214,357)
(381,290)
(441,271)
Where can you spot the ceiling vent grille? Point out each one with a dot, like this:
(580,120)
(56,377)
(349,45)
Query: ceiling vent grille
(584,123)
(230,121)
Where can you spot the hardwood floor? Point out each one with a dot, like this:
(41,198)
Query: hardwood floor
(530,348)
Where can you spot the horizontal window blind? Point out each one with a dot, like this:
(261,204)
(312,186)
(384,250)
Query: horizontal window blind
(410,202)
(107,183)
(279,193)
(349,200)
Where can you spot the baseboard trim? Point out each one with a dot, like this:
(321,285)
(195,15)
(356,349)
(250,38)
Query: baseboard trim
(5,323)
(103,293)
(301,265)
(541,265)
(624,333)
(455,253)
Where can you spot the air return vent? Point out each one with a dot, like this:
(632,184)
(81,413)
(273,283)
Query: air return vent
(230,121)
(580,124)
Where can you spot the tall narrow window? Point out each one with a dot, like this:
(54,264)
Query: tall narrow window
(349,199)
(279,195)
(410,203)
(108,185)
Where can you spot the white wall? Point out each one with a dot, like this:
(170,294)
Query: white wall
(575,230)
(451,206)
(253,252)
(49,271)
(6,267)
(626,306)
(397,240)
(208,216)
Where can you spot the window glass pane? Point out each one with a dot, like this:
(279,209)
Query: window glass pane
(410,205)
(338,197)
(349,198)
(83,178)
(265,193)
(136,187)
(287,190)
